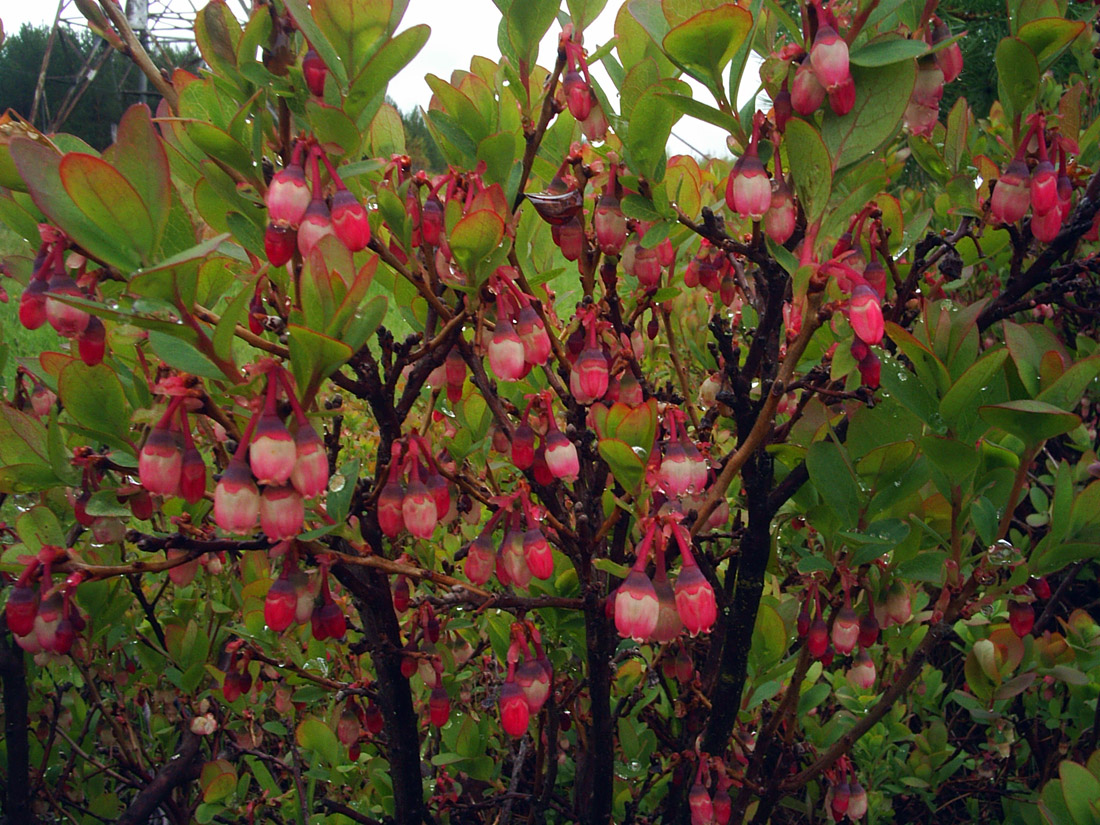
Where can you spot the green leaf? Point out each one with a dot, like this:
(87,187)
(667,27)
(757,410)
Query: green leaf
(882,93)
(391,58)
(139,155)
(220,145)
(1048,37)
(650,124)
(314,356)
(953,458)
(102,193)
(1069,387)
(1079,788)
(707,41)
(353,27)
(626,466)
(182,355)
(928,566)
(965,391)
(832,478)
(886,50)
(526,22)
(334,129)
(810,166)
(217,780)
(222,340)
(38,526)
(1017,75)
(319,738)
(1033,422)
(94,398)
(474,237)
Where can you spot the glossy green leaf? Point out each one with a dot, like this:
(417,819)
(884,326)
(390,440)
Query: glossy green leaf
(625,464)
(109,201)
(526,23)
(1048,37)
(886,50)
(810,166)
(139,155)
(383,66)
(1033,422)
(882,93)
(314,356)
(965,391)
(334,129)
(706,42)
(832,478)
(1080,789)
(474,237)
(1017,75)
(953,458)
(94,398)
(1067,390)
(319,738)
(181,354)
(221,145)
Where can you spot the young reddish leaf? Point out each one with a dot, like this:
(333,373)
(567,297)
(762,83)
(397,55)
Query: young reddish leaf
(139,155)
(102,193)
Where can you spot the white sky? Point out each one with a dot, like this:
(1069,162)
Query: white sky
(460,29)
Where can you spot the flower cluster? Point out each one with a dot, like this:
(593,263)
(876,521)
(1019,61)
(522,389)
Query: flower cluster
(415,496)
(526,688)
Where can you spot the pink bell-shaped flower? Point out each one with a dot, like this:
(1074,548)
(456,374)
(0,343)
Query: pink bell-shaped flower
(829,58)
(236,499)
(282,512)
(350,221)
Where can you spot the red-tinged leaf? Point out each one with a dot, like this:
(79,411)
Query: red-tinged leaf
(94,398)
(139,155)
(38,164)
(1048,37)
(707,41)
(1033,422)
(314,356)
(221,145)
(218,780)
(882,94)
(625,463)
(350,302)
(383,66)
(109,201)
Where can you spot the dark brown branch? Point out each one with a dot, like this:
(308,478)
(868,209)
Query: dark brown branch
(182,768)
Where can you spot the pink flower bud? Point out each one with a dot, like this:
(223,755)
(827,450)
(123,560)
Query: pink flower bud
(921,119)
(868,630)
(807,93)
(669,624)
(839,802)
(272,452)
(418,510)
(570,238)
(843,97)
(439,706)
(695,600)
(610,224)
(647,267)
(537,553)
(723,807)
(280,605)
(511,563)
(236,500)
(857,796)
(865,314)
(1046,226)
(315,71)
(676,473)
(845,630)
(534,680)
(637,607)
(481,558)
(779,220)
(870,370)
(1044,188)
(390,517)
(506,354)
(440,490)
(328,621)
(829,58)
(161,462)
(817,639)
(350,221)
(561,456)
(92,342)
(594,127)
(279,243)
(315,225)
(288,196)
(282,512)
(67,320)
(431,220)
(1011,194)
(21,609)
(898,607)
(192,476)
(348,729)
(532,332)
(862,672)
(577,95)
(310,474)
(32,304)
(523,446)
(949,58)
(748,189)
(515,714)
(701,805)
(589,377)
(782,108)
(928,89)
